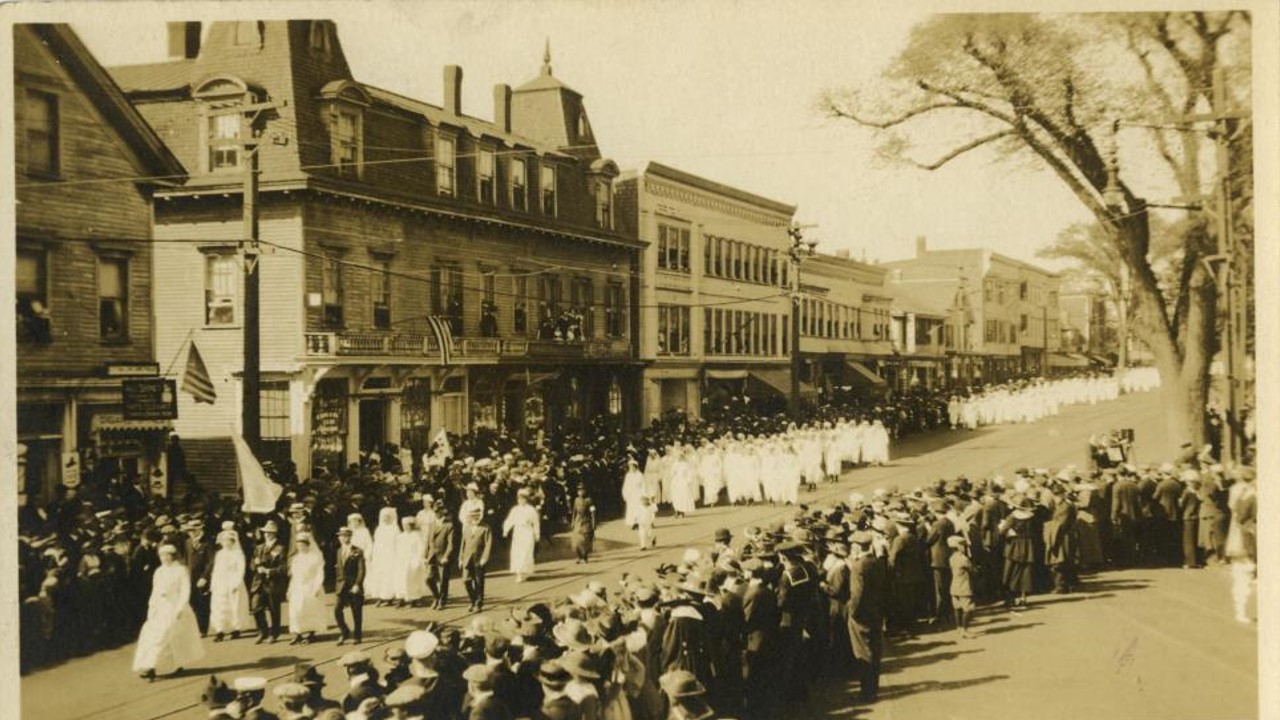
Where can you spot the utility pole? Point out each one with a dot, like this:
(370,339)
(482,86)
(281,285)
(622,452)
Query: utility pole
(1229,275)
(251,380)
(799,250)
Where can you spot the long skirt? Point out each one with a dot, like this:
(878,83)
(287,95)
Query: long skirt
(167,643)
(1019,577)
(307,613)
(229,610)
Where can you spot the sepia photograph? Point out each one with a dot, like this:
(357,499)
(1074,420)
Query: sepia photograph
(576,360)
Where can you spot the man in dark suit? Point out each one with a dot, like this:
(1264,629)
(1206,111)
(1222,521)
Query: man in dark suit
(439,555)
(473,556)
(481,702)
(270,580)
(142,566)
(761,618)
(940,561)
(1167,523)
(200,567)
(1189,511)
(866,615)
(349,586)
(1126,512)
(907,575)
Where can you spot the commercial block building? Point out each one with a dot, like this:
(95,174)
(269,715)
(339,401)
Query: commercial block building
(377,213)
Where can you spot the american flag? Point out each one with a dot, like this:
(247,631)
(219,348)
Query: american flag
(196,379)
(444,335)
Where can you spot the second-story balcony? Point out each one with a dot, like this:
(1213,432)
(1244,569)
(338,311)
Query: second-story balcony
(372,344)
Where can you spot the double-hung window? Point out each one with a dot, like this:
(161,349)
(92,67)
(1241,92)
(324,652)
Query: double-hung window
(446,160)
(42,133)
(519,184)
(486,167)
(113,298)
(223,141)
(346,142)
(331,291)
(380,290)
(547,186)
(221,286)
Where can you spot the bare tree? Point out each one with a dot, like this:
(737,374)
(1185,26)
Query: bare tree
(1048,90)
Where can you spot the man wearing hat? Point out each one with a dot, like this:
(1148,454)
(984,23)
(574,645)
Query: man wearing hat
(939,559)
(481,702)
(269,582)
(305,674)
(721,548)
(797,595)
(1126,515)
(760,623)
(362,680)
(292,699)
(473,556)
(199,562)
(250,692)
(686,697)
(349,573)
(440,553)
(556,705)
(406,703)
(867,589)
(397,668)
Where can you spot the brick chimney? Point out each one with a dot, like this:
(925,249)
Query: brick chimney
(502,107)
(922,246)
(453,89)
(184,40)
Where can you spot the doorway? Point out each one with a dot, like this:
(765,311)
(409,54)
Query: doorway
(373,424)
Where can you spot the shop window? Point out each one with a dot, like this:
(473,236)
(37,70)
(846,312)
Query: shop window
(221,286)
(43,136)
(32,286)
(113,299)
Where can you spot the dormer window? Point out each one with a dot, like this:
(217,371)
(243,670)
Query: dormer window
(320,31)
(344,102)
(346,141)
(547,184)
(519,184)
(604,204)
(223,121)
(446,161)
(223,140)
(486,167)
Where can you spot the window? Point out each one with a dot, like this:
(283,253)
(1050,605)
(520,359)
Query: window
(445,159)
(519,184)
(32,286)
(1022,290)
(380,290)
(613,310)
(547,184)
(347,142)
(446,295)
(604,204)
(223,141)
(673,330)
(520,306)
(42,133)
(221,285)
(273,420)
(331,292)
(583,300)
(1024,323)
(488,305)
(113,298)
(485,170)
(320,36)
(548,306)
(1000,293)
(673,248)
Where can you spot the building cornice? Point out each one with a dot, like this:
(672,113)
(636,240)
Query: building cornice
(718,203)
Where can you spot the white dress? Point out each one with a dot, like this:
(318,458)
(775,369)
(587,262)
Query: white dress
(413,571)
(711,474)
(380,583)
(632,490)
(684,486)
(522,527)
(170,638)
(228,599)
(306,593)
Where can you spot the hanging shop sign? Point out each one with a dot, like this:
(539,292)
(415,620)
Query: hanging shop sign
(150,399)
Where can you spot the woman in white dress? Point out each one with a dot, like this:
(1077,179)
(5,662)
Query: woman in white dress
(710,473)
(524,529)
(170,638)
(684,484)
(306,591)
(632,490)
(380,583)
(360,535)
(412,549)
(228,600)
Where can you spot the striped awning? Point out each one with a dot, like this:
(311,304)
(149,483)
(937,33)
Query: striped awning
(115,424)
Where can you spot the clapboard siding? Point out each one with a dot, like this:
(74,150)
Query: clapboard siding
(180,312)
(75,222)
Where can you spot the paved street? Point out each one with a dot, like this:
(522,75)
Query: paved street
(1131,644)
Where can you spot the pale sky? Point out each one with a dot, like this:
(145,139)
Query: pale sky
(721,88)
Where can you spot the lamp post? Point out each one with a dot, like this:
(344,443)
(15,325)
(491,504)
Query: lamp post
(1113,197)
(800,250)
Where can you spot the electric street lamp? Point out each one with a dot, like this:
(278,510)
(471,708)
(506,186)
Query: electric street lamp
(800,250)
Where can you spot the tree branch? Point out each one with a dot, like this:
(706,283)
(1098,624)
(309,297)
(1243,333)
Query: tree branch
(973,145)
(835,110)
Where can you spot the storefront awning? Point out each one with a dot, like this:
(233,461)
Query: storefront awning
(714,374)
(1068,360)
(864,372)
(530,379)
(779,380)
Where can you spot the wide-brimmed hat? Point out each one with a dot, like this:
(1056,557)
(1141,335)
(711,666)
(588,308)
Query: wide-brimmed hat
(553,674)
(682,684)
(580,665)
(572,633)
(723,536)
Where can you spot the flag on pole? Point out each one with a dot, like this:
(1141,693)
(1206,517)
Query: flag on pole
(444,336)
(260,493)
(196,379)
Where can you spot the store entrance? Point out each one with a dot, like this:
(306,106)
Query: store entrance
(373,424)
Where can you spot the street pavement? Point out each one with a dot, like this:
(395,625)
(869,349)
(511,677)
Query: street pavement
(1154,643)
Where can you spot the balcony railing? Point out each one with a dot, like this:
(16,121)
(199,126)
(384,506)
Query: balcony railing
(380,344)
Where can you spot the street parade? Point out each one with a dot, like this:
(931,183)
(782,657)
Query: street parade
(409,362)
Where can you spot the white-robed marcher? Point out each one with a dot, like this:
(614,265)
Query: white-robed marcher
(877,444)
(525,529)
(710,473)
(170,638)
(360,535)
(632,490)
(307,614)
(380,582)
(684,484)
(654,467)
(411,550)
(228,598)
